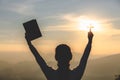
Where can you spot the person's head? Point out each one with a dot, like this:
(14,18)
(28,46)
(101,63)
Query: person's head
(63,54)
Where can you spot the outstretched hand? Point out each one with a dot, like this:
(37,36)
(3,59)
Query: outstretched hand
(90,36)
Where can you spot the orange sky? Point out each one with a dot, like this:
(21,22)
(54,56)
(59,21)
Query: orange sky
(61,24)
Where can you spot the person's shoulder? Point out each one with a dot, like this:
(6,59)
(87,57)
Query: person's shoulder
(51,69)
(76,69)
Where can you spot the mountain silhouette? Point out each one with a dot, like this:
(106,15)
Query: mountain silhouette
(104,68)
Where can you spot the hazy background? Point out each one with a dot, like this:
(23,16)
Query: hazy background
(59,23)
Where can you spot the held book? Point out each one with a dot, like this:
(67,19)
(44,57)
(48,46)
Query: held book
(32,29)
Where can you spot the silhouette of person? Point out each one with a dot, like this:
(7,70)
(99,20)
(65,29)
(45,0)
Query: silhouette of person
(63,56)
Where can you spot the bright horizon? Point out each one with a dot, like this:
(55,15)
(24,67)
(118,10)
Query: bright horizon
(61,24)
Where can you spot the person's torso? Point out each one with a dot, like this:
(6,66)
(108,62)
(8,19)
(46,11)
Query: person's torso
(63,75)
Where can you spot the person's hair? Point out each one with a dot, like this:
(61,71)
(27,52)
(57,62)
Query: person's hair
(63,53)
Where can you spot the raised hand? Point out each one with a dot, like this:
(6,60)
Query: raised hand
(90,36)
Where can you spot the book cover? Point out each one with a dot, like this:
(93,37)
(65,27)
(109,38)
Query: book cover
(32,29)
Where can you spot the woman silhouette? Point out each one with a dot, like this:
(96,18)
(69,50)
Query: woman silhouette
(63,56)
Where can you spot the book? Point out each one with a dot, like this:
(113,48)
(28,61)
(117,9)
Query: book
(32,29)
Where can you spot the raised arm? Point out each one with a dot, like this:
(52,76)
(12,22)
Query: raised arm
(83,62)
(37,56)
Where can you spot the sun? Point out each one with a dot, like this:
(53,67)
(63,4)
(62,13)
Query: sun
(87,24)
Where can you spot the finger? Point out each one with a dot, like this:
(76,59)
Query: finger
(90,33)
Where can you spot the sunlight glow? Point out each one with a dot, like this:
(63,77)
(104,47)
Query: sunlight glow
(86,24)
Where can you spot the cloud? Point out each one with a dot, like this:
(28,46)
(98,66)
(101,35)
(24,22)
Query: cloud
(23,7)
(53,7)
(115,22)
(116,36)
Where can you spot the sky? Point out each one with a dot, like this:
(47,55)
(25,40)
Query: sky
(59,22)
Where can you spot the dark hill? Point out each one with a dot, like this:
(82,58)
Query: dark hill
(97,69)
